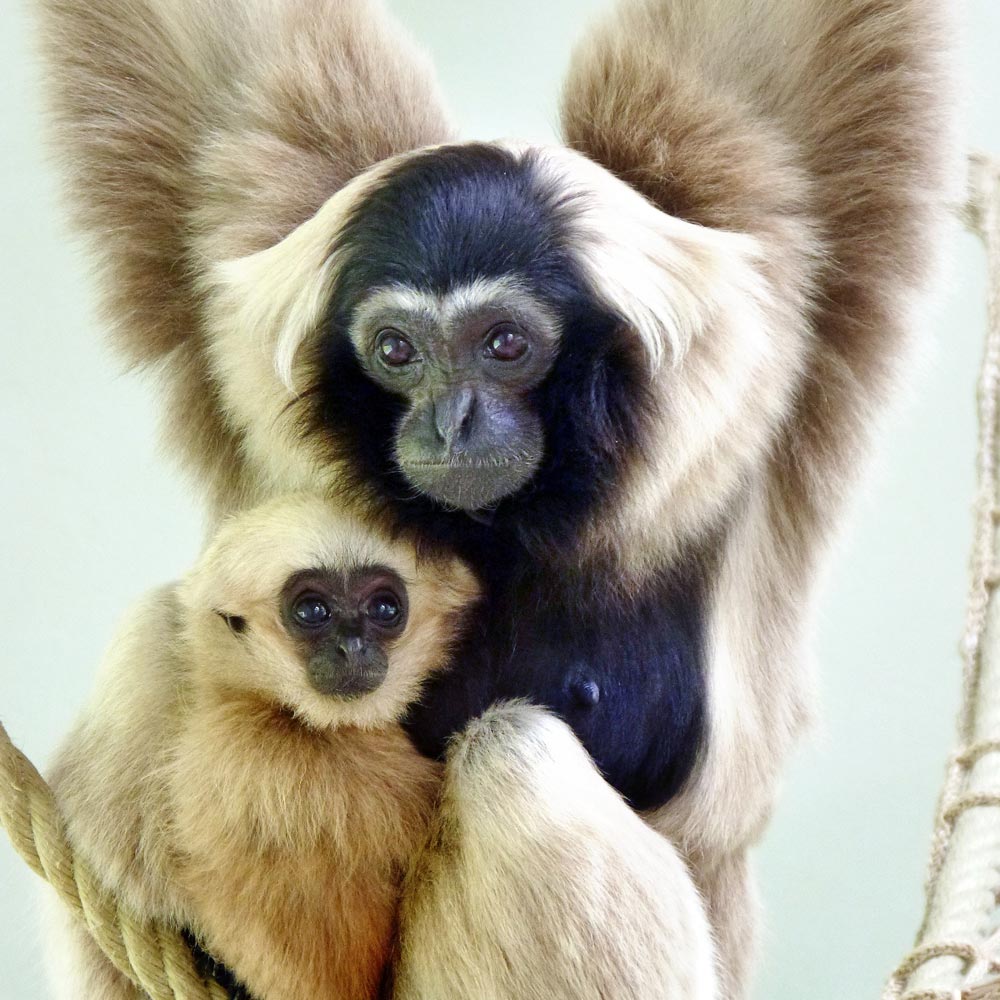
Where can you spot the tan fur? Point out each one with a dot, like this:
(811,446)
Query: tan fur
(797,161)
(212,789)
(824,130)
(540,883)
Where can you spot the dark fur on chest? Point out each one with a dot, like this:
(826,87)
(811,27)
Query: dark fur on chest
(625,671)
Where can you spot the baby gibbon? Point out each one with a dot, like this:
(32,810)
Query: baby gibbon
(239,772)
(240,775)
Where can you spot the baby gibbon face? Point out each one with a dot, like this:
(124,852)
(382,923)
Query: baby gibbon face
(343,624)
(304,606)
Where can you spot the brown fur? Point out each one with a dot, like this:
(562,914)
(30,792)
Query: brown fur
(196,131)
(801,162)
(824,130)
(209,801)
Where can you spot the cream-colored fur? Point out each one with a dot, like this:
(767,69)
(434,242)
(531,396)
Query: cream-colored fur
(213,789)
(540,883)
(797,162)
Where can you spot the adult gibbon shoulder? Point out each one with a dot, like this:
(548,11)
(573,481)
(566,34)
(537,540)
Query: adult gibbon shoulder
(629,380)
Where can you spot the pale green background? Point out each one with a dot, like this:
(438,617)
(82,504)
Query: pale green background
(92,515)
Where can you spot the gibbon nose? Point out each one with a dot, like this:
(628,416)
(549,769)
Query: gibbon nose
(453,415)
(348,665)
(351,647)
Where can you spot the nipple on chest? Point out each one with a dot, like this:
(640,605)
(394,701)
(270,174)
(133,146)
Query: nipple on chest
(585,692)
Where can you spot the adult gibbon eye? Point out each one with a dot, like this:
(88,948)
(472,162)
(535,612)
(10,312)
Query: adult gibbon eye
(394,349)
(311,611)
(384,608)
(506,343)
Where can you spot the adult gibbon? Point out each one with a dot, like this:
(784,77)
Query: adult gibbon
(629,380)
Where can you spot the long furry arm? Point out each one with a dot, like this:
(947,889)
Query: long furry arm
(198,130)
(540,882)
(821,128)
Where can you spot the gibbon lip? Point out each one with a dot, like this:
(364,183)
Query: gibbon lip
(493,464)
(468,485)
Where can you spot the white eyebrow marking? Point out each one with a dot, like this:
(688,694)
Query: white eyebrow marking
(443,309)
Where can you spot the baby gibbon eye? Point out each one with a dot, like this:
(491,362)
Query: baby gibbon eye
(394,349)
(506,343)
(311,611)
(384,609)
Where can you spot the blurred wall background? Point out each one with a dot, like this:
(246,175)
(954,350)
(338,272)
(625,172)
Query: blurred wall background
(91,514)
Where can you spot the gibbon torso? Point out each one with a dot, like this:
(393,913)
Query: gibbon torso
(623,669)
(291,855)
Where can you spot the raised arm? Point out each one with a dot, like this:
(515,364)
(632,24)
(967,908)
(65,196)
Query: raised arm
(197,131)
(823,129)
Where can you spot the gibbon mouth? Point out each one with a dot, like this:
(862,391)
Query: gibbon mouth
(347,687)
(467,485)
(498,463)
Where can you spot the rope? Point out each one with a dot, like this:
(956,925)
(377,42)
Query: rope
(963,880)
(155,959)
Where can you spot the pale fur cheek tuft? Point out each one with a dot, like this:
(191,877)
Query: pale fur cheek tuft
(665,277)
(261,310)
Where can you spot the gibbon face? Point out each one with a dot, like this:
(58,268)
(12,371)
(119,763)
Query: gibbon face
(441,366)
(342,623)
(506,332)
(305,606)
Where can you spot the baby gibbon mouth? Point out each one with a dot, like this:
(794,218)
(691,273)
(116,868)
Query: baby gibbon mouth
(348,673)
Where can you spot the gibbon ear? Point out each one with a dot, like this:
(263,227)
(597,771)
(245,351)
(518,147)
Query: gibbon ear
(198,131)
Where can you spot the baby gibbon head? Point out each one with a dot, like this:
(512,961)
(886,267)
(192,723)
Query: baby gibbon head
(304,605)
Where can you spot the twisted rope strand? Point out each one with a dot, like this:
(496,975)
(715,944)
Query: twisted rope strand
(154,958)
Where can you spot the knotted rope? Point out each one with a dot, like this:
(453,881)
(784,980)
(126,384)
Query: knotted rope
(958,945)
(154,958)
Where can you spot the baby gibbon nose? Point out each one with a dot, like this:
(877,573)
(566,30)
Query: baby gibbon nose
(347,664)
